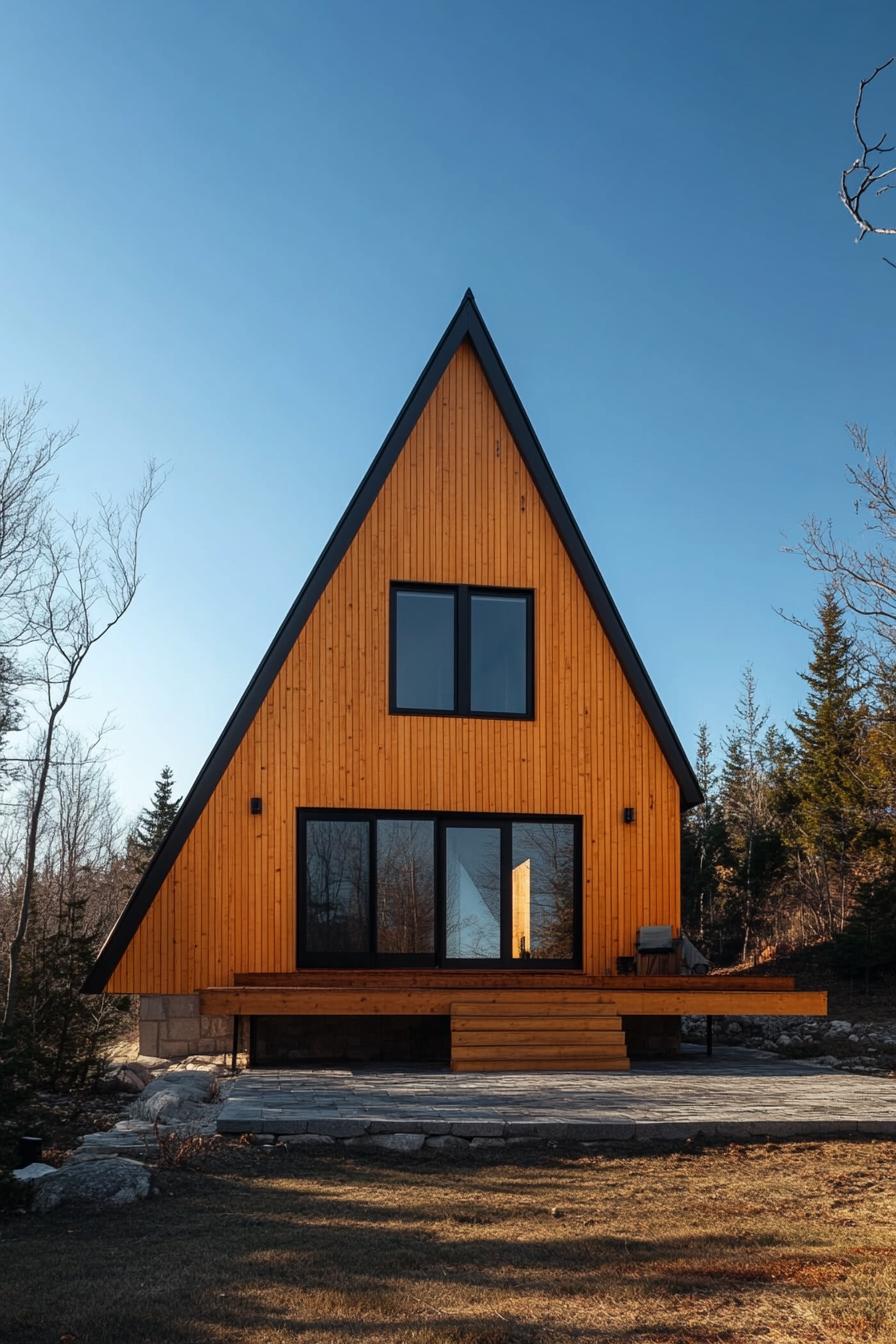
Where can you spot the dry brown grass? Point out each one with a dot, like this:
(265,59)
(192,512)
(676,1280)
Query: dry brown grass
(787,1244)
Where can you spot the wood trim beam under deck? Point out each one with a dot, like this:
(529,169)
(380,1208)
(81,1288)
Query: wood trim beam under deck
(320,1001)
(416,978)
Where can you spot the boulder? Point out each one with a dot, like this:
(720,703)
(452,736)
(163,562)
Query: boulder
(33,1172)
(179,1094)
(402,1145)
(836,1030)
(106,1182)
(198,1084)
(125,1078)
(448,1143)
(398,1143)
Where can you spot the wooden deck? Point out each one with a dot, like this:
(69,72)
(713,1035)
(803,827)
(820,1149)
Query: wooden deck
(514,1019)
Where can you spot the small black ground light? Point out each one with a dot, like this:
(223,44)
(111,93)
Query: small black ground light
(628,815)
(31,1149)
(255,806)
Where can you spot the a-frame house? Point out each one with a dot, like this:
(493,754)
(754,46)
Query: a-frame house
(450,795)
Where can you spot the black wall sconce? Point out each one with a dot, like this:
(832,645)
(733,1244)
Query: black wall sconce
(628,815)
(255,806)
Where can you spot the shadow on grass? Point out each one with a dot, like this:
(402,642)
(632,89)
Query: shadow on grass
(350,1250)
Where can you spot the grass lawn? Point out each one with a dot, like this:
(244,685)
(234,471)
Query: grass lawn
(772,1242)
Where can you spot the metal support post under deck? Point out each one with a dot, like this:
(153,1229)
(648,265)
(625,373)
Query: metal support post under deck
(236,1041)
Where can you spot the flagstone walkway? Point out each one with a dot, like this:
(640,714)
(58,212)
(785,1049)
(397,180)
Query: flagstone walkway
(736,1093)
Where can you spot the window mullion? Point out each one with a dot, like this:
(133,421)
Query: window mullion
(372,883)
(463,652)
(506,891)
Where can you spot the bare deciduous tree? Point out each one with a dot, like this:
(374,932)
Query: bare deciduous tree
(82,581)
(866,173)
(863,577)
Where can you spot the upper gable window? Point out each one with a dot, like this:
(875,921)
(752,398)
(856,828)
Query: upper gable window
(424,622)
(461,650)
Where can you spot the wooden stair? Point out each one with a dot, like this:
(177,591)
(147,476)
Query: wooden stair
(537,1031)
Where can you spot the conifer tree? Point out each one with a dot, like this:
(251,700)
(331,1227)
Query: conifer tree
(752,844)
(867,944)
(703,842)
(64,1035)
(828,731)
(154,822)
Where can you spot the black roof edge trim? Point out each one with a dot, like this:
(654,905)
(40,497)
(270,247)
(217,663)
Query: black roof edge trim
(466,324)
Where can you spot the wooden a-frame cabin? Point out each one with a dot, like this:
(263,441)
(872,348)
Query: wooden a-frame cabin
(450,795)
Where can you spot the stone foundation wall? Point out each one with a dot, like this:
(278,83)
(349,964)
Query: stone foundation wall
(172,1027)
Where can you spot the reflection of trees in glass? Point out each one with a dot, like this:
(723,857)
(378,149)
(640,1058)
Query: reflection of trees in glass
(337,862)
(473,906)
(550,849)
(405,901)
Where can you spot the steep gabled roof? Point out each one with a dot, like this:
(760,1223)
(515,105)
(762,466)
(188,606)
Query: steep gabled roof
(466,325)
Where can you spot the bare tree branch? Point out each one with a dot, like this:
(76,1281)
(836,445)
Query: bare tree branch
(86,577)
(868,166)
(863,575)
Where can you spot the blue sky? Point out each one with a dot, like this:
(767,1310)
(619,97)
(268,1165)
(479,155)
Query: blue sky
(232,233)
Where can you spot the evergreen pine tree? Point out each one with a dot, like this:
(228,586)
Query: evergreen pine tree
(154,822)
(829,806)
(703,839)
(753,848)
(63,1036)
(867,945)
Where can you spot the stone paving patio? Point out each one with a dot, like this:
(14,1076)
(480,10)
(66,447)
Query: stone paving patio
(736,1093)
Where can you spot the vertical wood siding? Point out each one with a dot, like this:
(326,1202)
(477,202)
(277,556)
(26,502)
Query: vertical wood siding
(458,507)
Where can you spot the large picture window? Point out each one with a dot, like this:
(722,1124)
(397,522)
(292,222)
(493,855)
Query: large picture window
(438,889)
(460,650)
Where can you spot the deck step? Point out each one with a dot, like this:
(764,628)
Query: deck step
(615,1065)
(558,1032)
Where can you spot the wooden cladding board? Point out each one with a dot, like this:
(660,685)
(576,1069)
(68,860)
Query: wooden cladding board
(458,507)
(251,1001)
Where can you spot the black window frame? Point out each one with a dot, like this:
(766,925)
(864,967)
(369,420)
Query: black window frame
(437,959)
(462,592)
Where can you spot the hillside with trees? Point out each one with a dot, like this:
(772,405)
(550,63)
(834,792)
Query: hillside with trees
(794,847)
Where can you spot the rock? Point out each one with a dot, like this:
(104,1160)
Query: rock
(262,1138)
(122,1143)
(109,1182)
(178,1094)
(448,1143)
(33,1172)
(122,1079)
(198,1084)
(783,1041)
(838,1029)
(486,1143)
(307,1140)
(166,1104)
(734,1029)
(398,1143)
(195,1129)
